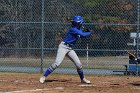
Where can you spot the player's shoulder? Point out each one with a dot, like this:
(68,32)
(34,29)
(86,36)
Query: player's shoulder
(73,29)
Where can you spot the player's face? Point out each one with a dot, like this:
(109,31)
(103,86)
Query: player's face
(79,26)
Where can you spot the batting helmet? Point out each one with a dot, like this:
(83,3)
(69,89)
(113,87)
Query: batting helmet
(77,19)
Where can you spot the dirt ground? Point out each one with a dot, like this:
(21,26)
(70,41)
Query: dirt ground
(60,83)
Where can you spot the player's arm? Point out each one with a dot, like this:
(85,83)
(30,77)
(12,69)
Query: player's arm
(80,32)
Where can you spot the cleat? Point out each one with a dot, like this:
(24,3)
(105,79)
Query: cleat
(85,81)
(42,79)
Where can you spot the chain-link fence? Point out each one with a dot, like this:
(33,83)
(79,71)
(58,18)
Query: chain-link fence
(31,30)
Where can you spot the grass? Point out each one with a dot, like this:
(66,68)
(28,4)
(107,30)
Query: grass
(107,62)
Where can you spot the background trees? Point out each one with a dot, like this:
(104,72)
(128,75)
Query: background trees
(21,20)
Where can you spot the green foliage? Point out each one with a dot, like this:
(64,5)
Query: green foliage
(91,3)
(111,19)
(87,18)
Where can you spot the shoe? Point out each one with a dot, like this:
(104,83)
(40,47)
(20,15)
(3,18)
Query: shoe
(85,81)
(42,79)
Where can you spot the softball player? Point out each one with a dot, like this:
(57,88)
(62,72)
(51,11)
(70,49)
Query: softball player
(65,48)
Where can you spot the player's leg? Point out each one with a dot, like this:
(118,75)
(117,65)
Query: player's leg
(59,58)
(73,56)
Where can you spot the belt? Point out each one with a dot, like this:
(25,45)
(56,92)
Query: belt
(68,45)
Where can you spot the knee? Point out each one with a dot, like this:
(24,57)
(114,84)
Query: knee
(55,65)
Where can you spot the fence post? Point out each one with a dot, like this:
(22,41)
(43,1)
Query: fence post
(87,54)
(42,39)
(137,39)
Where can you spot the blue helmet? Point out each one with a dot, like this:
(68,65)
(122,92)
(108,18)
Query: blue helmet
(77,19)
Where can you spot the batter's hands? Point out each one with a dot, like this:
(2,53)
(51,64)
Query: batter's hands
(93,35)
(89,30)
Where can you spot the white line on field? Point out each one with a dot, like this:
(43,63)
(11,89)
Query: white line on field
(86,85)
(35,90)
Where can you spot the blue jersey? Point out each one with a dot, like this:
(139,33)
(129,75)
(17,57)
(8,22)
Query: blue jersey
(73,35)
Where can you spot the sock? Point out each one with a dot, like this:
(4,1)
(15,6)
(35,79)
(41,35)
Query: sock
(81,74)
(50,70)
(47,72)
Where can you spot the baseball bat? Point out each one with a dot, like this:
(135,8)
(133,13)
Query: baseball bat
(133,54)
(69,19)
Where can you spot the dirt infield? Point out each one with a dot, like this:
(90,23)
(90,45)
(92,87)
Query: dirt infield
(28,83)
